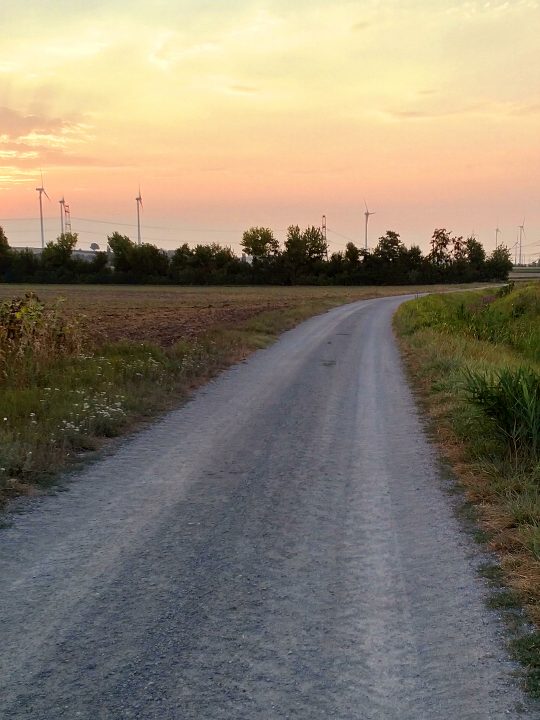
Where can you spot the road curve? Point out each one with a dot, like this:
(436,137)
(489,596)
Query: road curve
(280,547)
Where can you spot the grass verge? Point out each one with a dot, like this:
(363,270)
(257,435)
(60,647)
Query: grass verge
(475,361)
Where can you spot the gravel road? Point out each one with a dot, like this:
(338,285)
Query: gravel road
(282,546)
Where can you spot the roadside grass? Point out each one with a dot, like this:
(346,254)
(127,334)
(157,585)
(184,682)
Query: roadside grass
(65,390)
(475,361)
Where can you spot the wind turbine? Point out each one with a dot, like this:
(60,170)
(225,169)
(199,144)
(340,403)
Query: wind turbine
(366,215)
(139,206)
(497,233)
(41,190)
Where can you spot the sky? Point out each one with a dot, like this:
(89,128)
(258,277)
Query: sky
(234,113)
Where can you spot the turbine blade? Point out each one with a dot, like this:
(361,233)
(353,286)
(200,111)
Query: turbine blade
(45,193)
(365,203)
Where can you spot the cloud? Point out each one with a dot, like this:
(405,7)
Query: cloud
(36,129)
(30,140)
(171,49)
(533,109)
(481,9)
(359,26)
(15,124)
(480,108)
(244,89)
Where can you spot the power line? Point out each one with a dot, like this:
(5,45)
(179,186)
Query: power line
(345,237)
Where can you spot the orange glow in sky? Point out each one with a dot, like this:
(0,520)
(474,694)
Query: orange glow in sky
(245,112)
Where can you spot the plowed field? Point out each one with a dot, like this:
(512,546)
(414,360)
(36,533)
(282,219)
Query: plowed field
(164,315)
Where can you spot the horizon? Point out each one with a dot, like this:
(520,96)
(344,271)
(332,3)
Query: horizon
(263,114)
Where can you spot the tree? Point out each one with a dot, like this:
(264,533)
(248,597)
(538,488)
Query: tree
(147,261)
(352,253)
(58,254)
(180,261)
(121,247)
(499,264)
(304,251)
(4,245)
(295,252)
(459,250)
(99,262)
(260,243)
(475,253)
(389,248)
(441,240)
(316,247)
(5,251)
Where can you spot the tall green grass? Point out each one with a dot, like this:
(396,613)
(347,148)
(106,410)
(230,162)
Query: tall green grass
(511,399)
(502,318)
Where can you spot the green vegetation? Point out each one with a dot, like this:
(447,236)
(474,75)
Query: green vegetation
(511,399)
(303,260)
(476,361)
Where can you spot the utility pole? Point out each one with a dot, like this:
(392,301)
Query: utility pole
(323,228)
(62,208)
(67,216)
(521,232)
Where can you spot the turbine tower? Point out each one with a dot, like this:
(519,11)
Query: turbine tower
(41,190)
(366,215)
(497,233)
(139,206)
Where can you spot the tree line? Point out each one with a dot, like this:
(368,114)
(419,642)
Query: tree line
(303,260)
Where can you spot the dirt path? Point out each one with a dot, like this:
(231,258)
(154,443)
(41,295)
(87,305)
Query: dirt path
(280,547)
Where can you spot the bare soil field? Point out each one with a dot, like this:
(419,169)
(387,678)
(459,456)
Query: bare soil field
(163,315)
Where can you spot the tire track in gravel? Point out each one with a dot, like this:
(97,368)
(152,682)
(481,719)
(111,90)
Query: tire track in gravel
(280,547)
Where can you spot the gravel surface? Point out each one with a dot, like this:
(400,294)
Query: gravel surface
(280,547)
